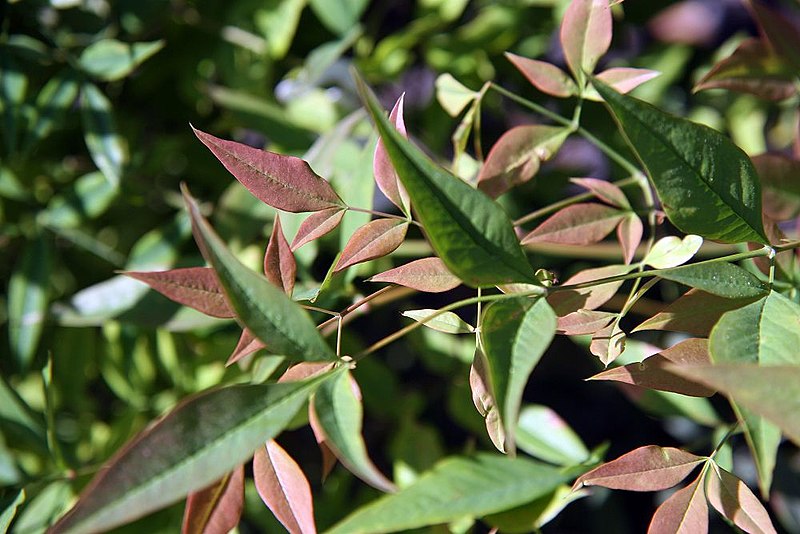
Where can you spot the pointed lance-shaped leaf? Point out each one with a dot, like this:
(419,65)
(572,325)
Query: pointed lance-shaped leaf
(447,322)
(585,35)
(196,287)
(583,322)
(247,344)
(566,301)
(317,225)
(483,398)
(283,182)
(578,224)
(720,278)
(280,266)
(426,274)
(452,95)
(629,235)
(605,191)
(261,307)
(685,512)
(622,79)
(385,175)
(27,300)
(217,508)
(734,500)
(672,251)
(706,184)
(284,488)
(198,442)
(781,31)
(468,230)
(544,434)
(546,77)
(608,343)
(373,240)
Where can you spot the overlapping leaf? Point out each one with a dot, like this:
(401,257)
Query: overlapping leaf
(385,175)
(280,266)
(373,240)
(196,287)
(585,35)
(578,224)
(317,225)
(718,278)
(779,185)
(546,77)
(447,322)
(542,433)
(570,300)
(216,508)
(426,274)
(734,500)
(621,79)
(284,488)
(685,512)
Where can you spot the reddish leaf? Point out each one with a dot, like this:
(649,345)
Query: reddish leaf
(328,457)
(248,344)
(373,240)
(385,175)
(585,34)
(752,68)
(696,312)
(685,512)
(515,157)
(280,267)
(284,488)
(648,468)
(217,508)
(654,373)
(578,224)
(484,400)
(317,225)
(583,322)
(779,31)
(608,343)
(589,298)
(546,77)
(304,370)
(196,287)
(426,274)
(780,185)
(626,79)
(283,182)
(734,500)
(629,235)
(605,191)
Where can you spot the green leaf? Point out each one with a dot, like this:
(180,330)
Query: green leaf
(263,308)
(468,230)
(54,100)
(8,513)
(339,16)
(100,134)
(90,196)
(542,433)
(707,185)
(27,300)
(277,21)
(109,59)
(447,322)
(197,443)
(457,487)
(13,85)
(452,95)
(514,335)
(719,278)
(672,251)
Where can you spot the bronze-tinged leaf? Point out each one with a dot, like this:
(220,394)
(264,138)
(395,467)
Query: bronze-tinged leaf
(248,344)
(426,274)
(781,32)
(280,266)
(653,372)
(196,287)
(589,298)
(626,79)
(578,224)
(484,400)
(608,343)
(780,185)
(304,370)
(385,175)
(585,35)
(283,182)
(546,77)
(629,235)
(373,240)
(217,508)
(685,512)
(648,468)
(583,322)
(284,488)
(734,500)
(605,191)
(317,225)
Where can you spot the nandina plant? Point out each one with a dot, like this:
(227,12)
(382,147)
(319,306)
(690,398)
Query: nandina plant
(739,318)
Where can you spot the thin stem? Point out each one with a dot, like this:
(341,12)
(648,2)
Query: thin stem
(321,310)
(339,336)
(734,427)
(384,215)
(354,306)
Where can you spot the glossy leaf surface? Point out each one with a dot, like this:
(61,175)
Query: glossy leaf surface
(720,278)
(542,433)
(100,134)
(27,300)
(672,251)
(109,59)
(447,322)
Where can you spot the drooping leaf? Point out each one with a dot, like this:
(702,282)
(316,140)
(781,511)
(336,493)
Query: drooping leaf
(317,225)
(280,266)
(629,235)
(779,185)
(542,433)
(546,77)
(468,231)
(27,300)
(648,468)
(452,95)
(514,335)
(195,444)
(621,79)
(589,298)
(578,224)
(672,251)
(263,308)
(605,191)
(608,343)
(425,274)
(338,414)
(515,157)
(720,278)
(583,322)
(283,182)
(706,184)
(100,134)
(385,175)
(284,488)
(685,512)
(483,398)
(373,240)
(585,35)
(196,287)
(734,500)
(217,508)
(653,372)
(447,322)
(456,487)
(110,60)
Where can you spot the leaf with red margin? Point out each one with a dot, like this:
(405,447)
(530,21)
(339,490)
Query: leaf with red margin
(589,298)
(385,175)
(426,274)
(780,186)
(605,191)
(585,35)
(283,182)
(578,224)
(546,77)
(217,508)
(583,322)
(653,372)
(685,512)
(280,266)
(248,344)
(317,225)
(373,240)
(648,468)
(733,499)
(196,287)
(284,488)
(629,235)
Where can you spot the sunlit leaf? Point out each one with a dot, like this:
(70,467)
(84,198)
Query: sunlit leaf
(425,274)
(542,433)
(89,197)
(278,23)
(339,16)
(452,95)
(621,79)
(546,77)
(284,488)
(583,322)
(734,500)
(672,251)
(247,344)
(605,191)
(685,512)
(52,104)
(483,398)
(531,516)
(100,134)
(7,515)
(280,266)
(585,35)
(373,240)
(317,225)
(385,175)
(779,185)
(447,322)
(608,343)
(719,278)
(629,235)
(578,224)
(110,60)
(217,508)
(589,298)
(196,287)
(27,300)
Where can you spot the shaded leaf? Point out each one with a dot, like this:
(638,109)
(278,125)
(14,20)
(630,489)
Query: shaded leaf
(621,79)
(734,500)
(608,343)
(317,225)
(780,185)
(583,322)
(672,251)
(629,235)
(452,95)
(27,300)
(385,175)
(532,516)
(706,184)
(280,266)
(578,224)
(100,134)
(605,191)
(546,77)
(373,240)
(247,344)
(468,231)
(447,322)
(585,35)
(263,308)
(779,30)
(425,274)
(542,433)
(483,398)
(283,182)
(89,197)
(52,104)
(217,508)
(648,468)
(719,278)
(7,514)
(570,300)
(685,512)
(110,60)
(196,287)
(284,488)
(339,16)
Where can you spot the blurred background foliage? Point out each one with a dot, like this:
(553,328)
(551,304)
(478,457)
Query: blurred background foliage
(96,99)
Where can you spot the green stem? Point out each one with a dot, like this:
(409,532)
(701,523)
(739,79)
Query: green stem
(353,307)
(383,214)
